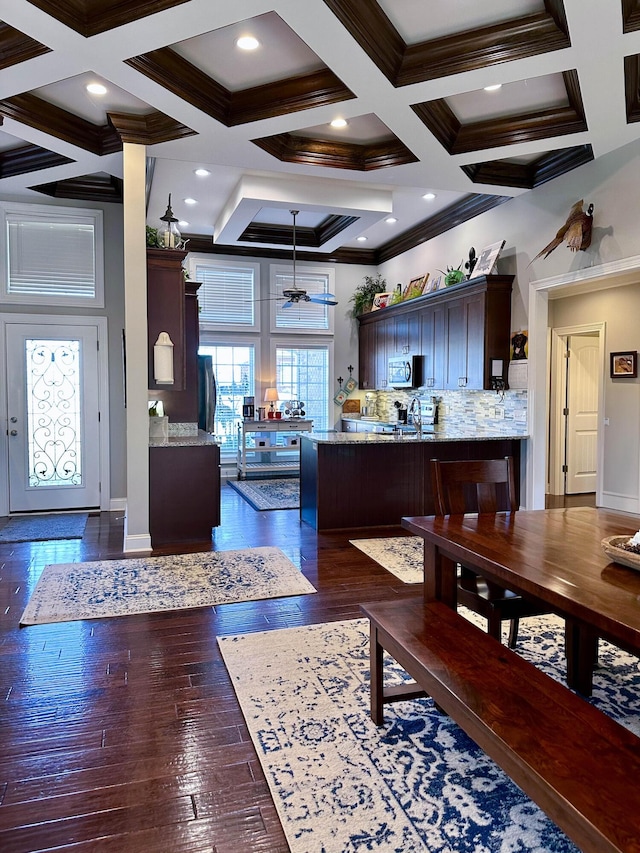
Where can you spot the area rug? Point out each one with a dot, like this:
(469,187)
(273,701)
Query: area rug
(417,784)
(70,591)
(403,556)
(39,528)
(269,494)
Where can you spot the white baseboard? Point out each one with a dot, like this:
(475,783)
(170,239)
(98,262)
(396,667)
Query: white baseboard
(621,503)
(139,542)
(117,504)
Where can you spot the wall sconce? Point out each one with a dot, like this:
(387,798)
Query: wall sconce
(271,396)
(163,360)
(168,232)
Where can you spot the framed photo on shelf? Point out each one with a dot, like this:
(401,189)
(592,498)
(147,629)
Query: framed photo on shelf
(487,259)
(380,300)
(624,365)
(432,284)
(415,287)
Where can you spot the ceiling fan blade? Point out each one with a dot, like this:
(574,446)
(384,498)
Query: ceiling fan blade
(321,300)
(287,305)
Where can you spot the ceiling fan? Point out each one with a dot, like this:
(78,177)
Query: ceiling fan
(294,295)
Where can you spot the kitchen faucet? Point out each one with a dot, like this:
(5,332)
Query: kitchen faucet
(414,409)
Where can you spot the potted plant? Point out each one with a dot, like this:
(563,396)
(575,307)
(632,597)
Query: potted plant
(363,294)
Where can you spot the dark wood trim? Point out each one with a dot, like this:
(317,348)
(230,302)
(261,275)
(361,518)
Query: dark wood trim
(630,15)
(261,232)
(467,208)
(457,138)
(632,87)
(101,188)
(148,129)
(55,121)
(530,175)
(305,91)
(289,148)
(90,17)
(467,50)
(29,158)
(17,47)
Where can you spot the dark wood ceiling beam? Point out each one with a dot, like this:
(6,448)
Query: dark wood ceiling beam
(50,119)
(630,15)
(90,17)
(459,52)
(205,245)
(149,129)
(100,188)
(333,225)
(17,47)
(29,158)
(530,175)
(457,138)
(173,72)
(290,148)
(632,87)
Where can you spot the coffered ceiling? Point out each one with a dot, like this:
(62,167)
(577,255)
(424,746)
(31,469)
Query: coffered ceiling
(425,146)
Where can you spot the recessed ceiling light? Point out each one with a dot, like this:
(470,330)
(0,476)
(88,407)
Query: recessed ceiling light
(190,201)
(247,43)
(182,223)
(202,173)
(339,122)
(361,239)
(493,88)
(429,196)
(97,89)
(391,220)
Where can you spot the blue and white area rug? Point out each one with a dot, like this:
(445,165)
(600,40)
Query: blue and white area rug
(403,556)
(269,494)
(40,528)
(342,785)
(70,591)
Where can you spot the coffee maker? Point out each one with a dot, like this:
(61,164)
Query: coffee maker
(248,408)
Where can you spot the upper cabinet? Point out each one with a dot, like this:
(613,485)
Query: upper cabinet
(458,330)
(166,311)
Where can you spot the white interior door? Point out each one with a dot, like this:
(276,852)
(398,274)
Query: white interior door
(53,416)
(582,417)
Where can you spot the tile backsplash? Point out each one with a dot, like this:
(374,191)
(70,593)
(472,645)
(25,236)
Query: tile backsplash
(487,409)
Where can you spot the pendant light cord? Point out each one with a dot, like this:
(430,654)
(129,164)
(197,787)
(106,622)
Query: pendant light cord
(294,213)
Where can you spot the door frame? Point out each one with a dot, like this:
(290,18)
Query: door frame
(103,396)
(557,390)
(612,274)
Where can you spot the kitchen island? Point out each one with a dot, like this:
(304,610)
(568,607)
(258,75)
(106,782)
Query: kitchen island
(184,489)
(356,480)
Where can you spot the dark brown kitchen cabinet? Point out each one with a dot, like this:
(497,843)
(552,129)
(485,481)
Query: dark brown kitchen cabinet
(458,330)
(366,357)
(166,311)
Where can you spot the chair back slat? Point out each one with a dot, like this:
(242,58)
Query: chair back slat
(473,485)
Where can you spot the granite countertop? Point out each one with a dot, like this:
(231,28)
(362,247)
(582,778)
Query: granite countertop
(200,440)
(450,434)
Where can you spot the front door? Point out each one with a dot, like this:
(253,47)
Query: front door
(53,416)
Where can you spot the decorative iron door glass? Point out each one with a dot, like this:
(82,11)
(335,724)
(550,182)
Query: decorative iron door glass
(53,417)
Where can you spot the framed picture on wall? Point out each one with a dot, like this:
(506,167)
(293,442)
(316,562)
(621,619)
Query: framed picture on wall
(624,365)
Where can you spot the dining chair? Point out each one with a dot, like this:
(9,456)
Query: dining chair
(482,486)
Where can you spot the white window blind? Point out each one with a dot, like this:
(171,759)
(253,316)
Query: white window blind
(53,255)
(301,316)
(227,294)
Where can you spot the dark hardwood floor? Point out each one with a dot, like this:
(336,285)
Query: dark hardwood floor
(123,735)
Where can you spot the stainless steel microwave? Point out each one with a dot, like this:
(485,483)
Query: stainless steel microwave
(405,371)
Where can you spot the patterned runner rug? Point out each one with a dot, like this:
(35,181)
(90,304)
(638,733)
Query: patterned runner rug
(269,494)
(70,591)
(403,556)
(39,528)
(417,784)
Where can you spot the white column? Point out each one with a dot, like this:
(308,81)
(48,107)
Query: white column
(136,527)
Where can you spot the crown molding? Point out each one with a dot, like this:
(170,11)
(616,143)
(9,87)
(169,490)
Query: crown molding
(90,17)
(289,148)
(534,174)
(17,47)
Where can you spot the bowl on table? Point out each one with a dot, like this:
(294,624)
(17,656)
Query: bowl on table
(612,547)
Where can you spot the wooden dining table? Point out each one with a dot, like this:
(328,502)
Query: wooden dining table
(554,556)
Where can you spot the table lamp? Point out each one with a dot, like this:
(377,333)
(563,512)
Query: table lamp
(270,396)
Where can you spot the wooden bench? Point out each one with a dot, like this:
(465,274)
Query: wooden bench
(580,766)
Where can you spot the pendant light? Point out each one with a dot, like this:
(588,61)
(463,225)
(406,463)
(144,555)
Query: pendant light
(170,237)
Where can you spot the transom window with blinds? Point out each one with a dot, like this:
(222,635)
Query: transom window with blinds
(227,294)
(301,317)
(52,255)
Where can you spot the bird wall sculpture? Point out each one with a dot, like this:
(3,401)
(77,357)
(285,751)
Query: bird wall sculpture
(576,231)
